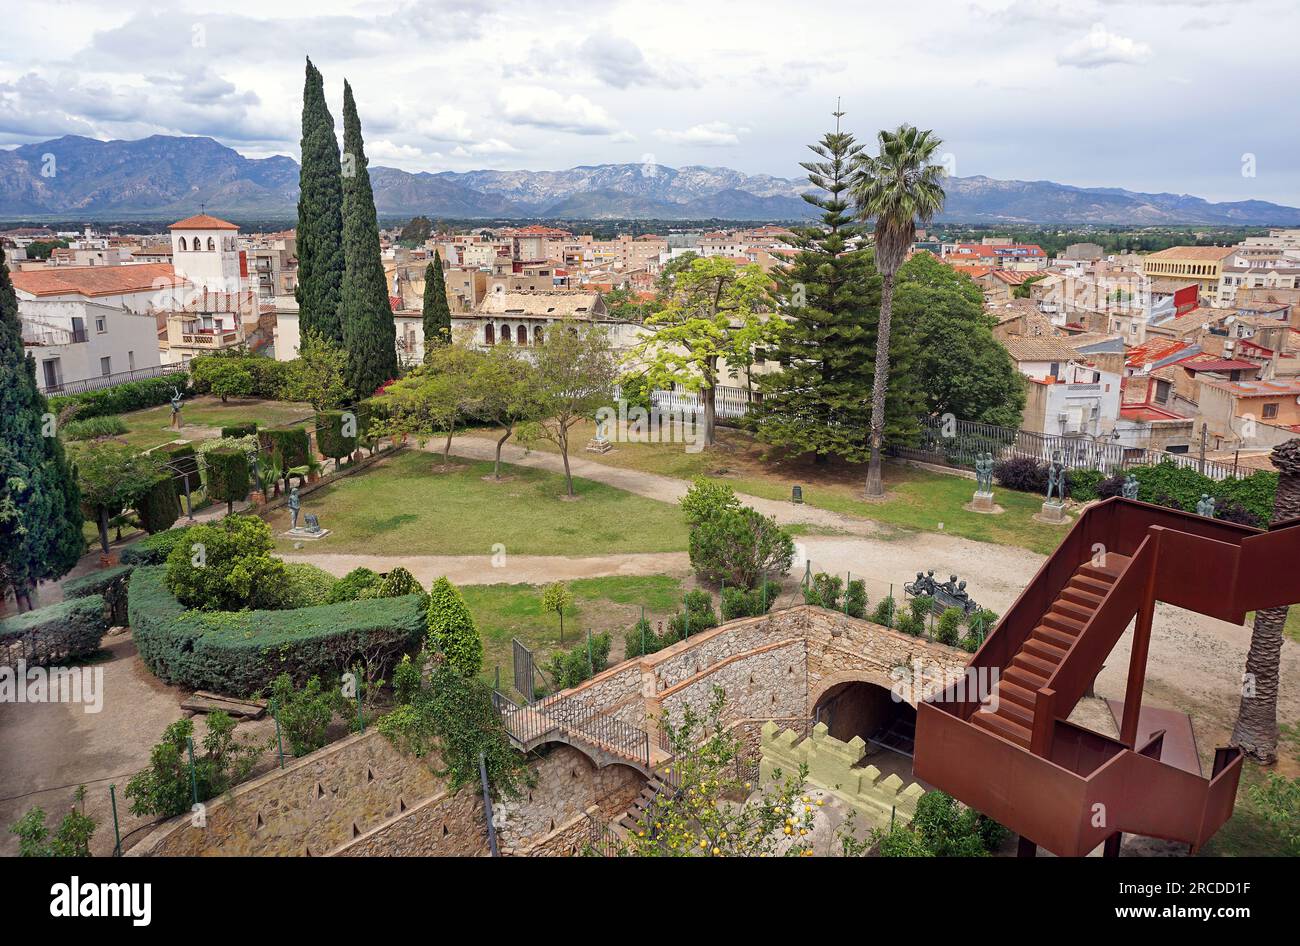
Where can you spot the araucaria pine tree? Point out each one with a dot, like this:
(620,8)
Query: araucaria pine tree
(369,332)
(820,400)
(437,314)
(320,216)
(40,505)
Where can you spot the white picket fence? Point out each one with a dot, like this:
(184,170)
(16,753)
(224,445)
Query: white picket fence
(728,402)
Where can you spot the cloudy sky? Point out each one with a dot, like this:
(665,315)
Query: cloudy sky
(1153,95)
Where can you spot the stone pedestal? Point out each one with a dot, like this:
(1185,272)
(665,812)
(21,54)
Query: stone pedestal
(300,534)
(982,502)
(599,445)
(1053,513)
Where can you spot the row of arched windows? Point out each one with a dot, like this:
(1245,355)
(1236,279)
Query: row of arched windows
(198,244)
(491,335)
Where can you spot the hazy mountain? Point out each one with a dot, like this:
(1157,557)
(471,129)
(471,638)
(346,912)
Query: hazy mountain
(166,176)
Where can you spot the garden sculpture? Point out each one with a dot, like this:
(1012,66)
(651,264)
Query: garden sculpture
(1205,507)
(295,505)
(948,594)
(1130,488)
(984,473)
(1056,478)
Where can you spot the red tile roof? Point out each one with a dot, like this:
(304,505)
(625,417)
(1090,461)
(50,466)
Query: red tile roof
(203,222)
(96,280)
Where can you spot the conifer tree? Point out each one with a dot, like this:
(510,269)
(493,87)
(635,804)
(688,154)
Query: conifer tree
(40,504)
(437,314)
(820,402)
(320,216)
(369,332)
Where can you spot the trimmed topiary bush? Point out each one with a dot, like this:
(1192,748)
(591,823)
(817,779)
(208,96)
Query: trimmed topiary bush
(157,508)
(245,429)
(240,653)
(355,584)
(331,439)
(289,445)
(155,549)
(228,476)
(451,629)
(58,634)
(227,566)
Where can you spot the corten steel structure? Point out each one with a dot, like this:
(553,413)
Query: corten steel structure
(1016,758)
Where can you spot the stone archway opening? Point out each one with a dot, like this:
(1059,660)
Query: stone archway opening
(870,712)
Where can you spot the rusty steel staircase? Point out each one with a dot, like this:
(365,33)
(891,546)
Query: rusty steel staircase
(1011,752)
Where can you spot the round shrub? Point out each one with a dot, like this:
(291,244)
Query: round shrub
(741,547)
(1083,484)
(228,476)
(1021,473)
(948,629)
(157,507)
(308,585)
(228,567)
(399,582)
(354,585)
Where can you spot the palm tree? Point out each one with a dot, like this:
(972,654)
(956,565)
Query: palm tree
(1255,731)
(899,188)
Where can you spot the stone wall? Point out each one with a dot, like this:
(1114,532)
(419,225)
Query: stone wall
(767,682)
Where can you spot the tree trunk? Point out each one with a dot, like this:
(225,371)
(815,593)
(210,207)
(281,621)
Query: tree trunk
(1255,731)
(103,530)
(446,450)
(879,387)
(496,466)
(564,452)
(706,395)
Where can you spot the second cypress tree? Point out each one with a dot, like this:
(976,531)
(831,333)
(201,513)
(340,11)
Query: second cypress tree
(369,332)
(437,313)
(320,216)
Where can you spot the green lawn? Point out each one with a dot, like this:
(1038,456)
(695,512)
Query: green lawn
(151,427)
(504,612)
(405,507)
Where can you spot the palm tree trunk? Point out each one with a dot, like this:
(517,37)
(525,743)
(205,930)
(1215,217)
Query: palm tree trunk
(1255,731)
(879,386)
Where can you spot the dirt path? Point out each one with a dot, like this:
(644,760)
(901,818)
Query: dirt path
(510,569)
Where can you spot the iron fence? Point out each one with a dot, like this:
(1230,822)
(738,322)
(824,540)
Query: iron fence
(960,442)
(572,718)
(112,380)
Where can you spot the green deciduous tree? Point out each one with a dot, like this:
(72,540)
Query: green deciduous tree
(899,188)
(228,566)
(713,317)
(369,332)
(575,375)
(40,504)
(436,311)
(112,477)
(504,385)
(556,599)
(319,235)
(436,396)
(451,629)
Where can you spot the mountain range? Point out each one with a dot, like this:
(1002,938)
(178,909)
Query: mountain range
(160,176)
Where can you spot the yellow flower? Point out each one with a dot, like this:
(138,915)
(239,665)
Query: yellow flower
(820,802)
(717,851)
(789,830)
(703,843)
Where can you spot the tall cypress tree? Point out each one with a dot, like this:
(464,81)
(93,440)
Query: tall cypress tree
(369,332)
(320,216)
(437,313)
(40,505)
(820,401)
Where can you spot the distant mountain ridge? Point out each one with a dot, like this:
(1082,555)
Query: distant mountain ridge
(166,175)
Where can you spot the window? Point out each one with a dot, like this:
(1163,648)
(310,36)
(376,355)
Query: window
(505,335)
(537,335)
(489,334)
(53,376)
(1270,411)
(101,324)
(182,244)
(521,335)
(106,366)
(130,360)
(211,244)
(1162,392)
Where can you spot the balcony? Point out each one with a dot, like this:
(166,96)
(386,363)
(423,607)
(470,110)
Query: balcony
(44,336)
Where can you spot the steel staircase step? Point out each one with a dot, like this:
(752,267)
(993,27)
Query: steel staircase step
(1054,635)
(1086,599)
(1009,692)
(1023,678)
(1038,665)
(1000,726)
(1062,621)
(1049,652)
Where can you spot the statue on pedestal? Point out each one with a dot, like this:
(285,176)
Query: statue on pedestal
(1130,488)
(1205,507)
(984,473)
(176,399)
(1056,478)
(295,505)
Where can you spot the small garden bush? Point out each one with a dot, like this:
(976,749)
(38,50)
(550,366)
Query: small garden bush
(941,827)
(451,629)
(56,634)
(304,714)
(824,591)
(706,499)
(739,603)
(697,616)
(71,839)
(948,629)
(1021,473)
(94,427)
(886,612)
(355,584)
(110,584)
(269,379)
(240,653)
(155,549)
(157,508)
(741,547)
(584,661)
(308,585)
(122,398)
(166,788)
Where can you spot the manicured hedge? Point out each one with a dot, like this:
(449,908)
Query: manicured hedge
(228,475)
(58,634)
(240,430)
(329,434)
(182,461)
(270,377)
(155,549)
(240,653)
(110,584)
(290,445)
(157,507)
(121,398)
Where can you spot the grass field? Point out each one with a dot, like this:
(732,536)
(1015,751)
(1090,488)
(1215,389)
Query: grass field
(918,499)
(151,427)
(408,506)
(504,612)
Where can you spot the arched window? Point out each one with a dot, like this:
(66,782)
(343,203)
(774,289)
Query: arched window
(537,335)
(182,244)
(521,335)
(212,244)
(505,334)
(489,334)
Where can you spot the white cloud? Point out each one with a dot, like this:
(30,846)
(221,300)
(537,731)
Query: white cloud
(709,134)
(1100,47)
(545,108)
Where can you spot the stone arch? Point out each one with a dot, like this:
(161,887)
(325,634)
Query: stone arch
(861,704)
(816,693)
(182,244)
(489,334)
(212,244)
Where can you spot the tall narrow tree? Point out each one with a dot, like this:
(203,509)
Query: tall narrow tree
(40,505)
(369,332)
(899,188)
(820,402)
(1256,728)
(320,216)
(436,311)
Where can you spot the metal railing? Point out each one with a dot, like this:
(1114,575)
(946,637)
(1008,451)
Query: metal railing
(112,380)
(573,719)
(960,442)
